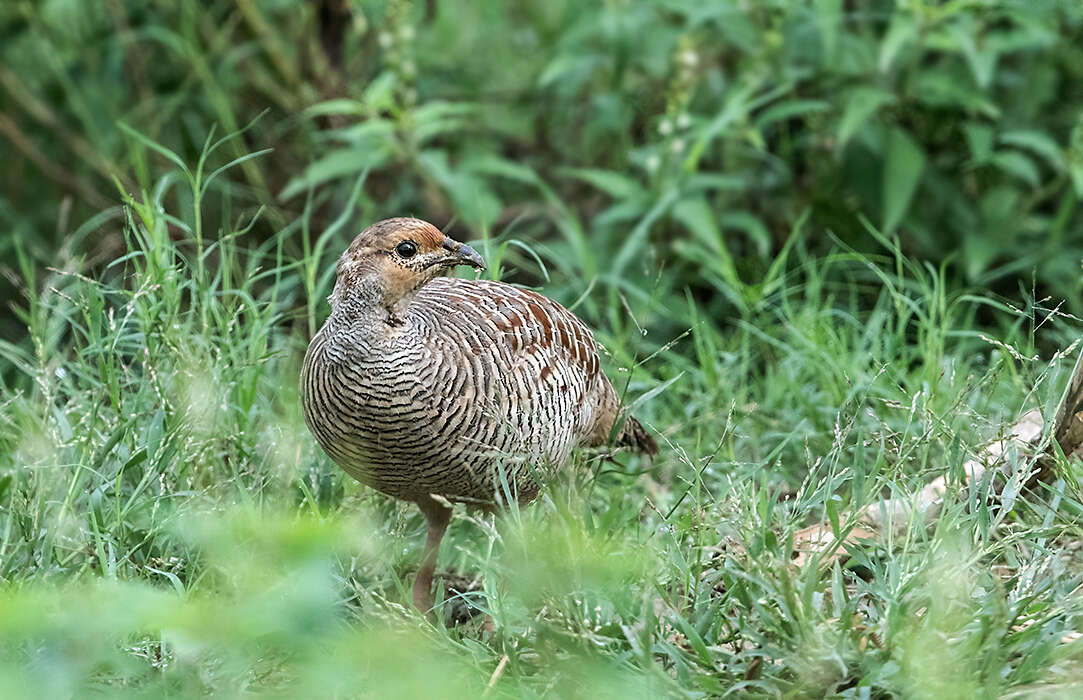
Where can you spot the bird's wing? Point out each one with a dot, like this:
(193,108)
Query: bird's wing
(537,335)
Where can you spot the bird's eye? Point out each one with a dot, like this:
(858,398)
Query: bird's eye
(406,249)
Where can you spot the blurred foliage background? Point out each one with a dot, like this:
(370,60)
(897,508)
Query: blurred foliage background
(698,130)
(831,248)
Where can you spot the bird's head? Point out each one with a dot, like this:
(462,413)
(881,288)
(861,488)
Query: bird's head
(390,260)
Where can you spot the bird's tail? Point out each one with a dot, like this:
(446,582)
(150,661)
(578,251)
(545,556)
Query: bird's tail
(635,437)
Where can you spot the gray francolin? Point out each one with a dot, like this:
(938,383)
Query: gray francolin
(433,389)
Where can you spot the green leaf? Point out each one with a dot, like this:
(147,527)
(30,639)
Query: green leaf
(472,197)
(1031,37)
(1074,156)
(650,394)
(155,433)
(380,93)
(735,108)
(980,139)
(788,110)
(438,118)
(902,31)
(1038,143)
(903,163)
(697,217)
(832,508)
(502,167)
(236,161)
(982,61)
(567,67)
(776,271)
(337,106)
(861,104)
(614,184)
(734,26)
(705,182)
(945,88)
(137,458)
(1019,165)
(828,16)
(347,161)
(695,641)
(364,132)
(174,580)
(752,226)
(635,240)
(158,148)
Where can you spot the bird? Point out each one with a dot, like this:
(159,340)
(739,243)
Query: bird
(437,390)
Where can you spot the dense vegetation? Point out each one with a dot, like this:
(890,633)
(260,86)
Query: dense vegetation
(832,249)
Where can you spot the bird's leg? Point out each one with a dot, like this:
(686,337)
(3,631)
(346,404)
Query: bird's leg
(438,516)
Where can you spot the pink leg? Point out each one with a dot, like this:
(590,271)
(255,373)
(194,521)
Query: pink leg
(438,516)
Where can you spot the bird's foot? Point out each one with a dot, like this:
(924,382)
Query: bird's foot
(461,596)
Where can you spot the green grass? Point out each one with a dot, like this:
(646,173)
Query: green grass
(168,526)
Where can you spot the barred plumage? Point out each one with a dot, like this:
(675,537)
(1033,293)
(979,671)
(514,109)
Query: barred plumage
(419,385)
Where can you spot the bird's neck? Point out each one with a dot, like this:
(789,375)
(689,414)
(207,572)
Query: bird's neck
(366,306)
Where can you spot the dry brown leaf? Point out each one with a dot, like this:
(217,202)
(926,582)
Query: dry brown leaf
(815,539)
(897,513)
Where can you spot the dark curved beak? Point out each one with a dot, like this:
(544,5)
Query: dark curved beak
(464,254)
